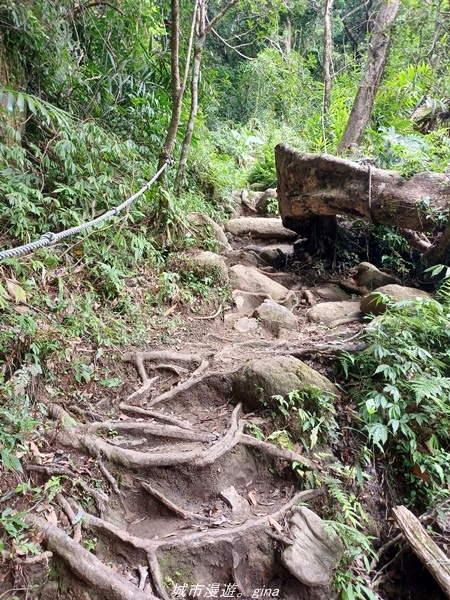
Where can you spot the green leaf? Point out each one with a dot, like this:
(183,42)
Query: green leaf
(20,102)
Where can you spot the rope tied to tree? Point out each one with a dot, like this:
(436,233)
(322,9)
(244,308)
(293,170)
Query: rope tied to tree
(50,238)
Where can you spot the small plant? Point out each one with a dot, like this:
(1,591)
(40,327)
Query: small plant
(401,386)
(255,431)
(315,411)
(90,544)
(13,525)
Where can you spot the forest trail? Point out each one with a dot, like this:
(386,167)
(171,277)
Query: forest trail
(181,484)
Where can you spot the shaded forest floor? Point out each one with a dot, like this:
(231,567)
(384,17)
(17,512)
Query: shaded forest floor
(157,487)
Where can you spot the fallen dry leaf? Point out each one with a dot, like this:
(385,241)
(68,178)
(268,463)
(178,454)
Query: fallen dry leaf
(52,517)
(252,497)
(275,526)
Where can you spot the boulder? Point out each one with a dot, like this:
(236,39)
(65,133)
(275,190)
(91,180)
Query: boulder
(249,258)
(250,279)
(316,551)
(273,257)
(263,201)
(245,324)
(261,378)
(204,263)
(217,231)
(271,228)
(329,312)
(330,293)
(246,302)
(398,293)
(275,317)
(370,277)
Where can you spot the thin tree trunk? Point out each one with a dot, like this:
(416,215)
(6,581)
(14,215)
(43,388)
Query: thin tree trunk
(198,55)
(198,52)
(178,85)
(202,30)
(327,46)
(288,35)
(368,87)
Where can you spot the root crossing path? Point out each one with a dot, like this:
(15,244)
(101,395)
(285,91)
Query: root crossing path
(174,487)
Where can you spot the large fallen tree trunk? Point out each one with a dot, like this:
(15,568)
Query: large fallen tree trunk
(314,188)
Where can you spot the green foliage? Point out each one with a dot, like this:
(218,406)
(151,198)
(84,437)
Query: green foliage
(17,422)
(401,384)
(315,412)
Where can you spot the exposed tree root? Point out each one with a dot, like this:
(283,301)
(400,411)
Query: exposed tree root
(86,565)
(124,407)
(198,538)
(139,359)
(199,457)
(276,451)
(149,430)
(109,477)
(186,385)
(180,512)
(69,512)
(213,316)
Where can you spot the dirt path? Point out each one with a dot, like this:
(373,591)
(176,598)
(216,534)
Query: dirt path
(164,492)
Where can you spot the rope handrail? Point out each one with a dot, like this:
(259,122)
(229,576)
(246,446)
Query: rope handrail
(49,238)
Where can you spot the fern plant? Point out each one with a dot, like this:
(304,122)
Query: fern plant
(401,385)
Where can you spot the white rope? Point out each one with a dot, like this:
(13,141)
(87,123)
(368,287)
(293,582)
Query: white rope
(48,239)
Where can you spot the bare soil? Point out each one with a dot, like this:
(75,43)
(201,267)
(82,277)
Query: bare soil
(163,490)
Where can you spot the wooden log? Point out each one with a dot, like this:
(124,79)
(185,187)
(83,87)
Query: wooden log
(314,188)
(325,185)
(424,547)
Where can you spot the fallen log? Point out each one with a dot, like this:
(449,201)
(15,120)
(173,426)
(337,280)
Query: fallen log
(424,547)
(314,188)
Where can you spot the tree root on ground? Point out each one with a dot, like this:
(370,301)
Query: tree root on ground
(86,565)
(124,407)
(99,496)
(201,457)
(71,515)
(139,359)
(177,510)
(148,430)
(198,539)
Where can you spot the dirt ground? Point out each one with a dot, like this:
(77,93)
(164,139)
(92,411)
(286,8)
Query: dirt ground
(162,491)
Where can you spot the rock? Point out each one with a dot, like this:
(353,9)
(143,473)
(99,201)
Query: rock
(50,591)
(218,232)
(273,257)
(330,293)
(260,228)
(239,505)
(398,293)
(250,279)
(203,263)
(246,302)
(244,325)
(249,258)
(274,317)
(315,552)
(264,199)
(370,277)
(328,312)
(261,378)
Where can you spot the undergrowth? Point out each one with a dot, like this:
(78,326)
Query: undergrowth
(400,384)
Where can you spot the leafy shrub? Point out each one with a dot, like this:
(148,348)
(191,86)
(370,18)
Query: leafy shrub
(401,386)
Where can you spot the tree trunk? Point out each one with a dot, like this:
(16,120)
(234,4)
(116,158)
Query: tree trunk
(327,45)
(201,31)
(434,559)
(313,189)
(199,46)
(178,84)
(373,70)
